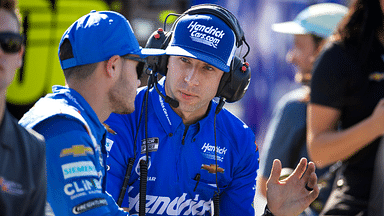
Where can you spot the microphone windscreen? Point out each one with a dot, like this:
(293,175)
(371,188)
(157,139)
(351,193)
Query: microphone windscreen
(174,103)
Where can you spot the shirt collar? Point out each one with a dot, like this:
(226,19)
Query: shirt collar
(76,100)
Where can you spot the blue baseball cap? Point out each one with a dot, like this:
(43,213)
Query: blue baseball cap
(98,36)
(204,37)
(319,19)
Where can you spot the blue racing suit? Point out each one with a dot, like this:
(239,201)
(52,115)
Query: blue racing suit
(181,176)
(76,154)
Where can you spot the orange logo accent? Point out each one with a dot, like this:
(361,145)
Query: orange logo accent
(376,76)
(109,129)
(212,168)
(76,151)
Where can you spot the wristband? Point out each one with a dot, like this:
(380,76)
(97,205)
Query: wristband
(267,212)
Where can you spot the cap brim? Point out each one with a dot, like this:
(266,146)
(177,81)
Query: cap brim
(288,28)
(178,51)
(145,52)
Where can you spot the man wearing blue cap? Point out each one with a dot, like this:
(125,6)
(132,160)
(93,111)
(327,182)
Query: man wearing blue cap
(98,54)
(195,155)
(286,135)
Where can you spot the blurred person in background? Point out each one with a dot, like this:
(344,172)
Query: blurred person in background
(346,111)
(22,152)
(286,136)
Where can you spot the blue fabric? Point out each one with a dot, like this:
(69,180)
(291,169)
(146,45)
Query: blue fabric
(204,37)
(176,161)
(98,36)
(75,164)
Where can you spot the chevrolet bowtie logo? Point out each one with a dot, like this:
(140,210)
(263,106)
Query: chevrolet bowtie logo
(76,151)
(212,168)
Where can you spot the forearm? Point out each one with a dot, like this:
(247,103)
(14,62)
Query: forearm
(331,146)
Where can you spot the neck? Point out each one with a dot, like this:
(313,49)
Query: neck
(96,97)
(191,117)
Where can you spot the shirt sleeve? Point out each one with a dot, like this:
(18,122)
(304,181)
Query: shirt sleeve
(331,76)
(120,151)
(39,197)
(238,197)
(74,170)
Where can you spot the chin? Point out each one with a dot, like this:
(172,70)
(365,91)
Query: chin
(125,110)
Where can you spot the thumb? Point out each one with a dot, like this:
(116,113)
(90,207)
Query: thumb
(276,171)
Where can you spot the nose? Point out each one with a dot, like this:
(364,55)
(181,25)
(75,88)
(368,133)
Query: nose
(192,76)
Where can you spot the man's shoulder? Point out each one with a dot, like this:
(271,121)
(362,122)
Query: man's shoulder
(231,118)
(231,124)
(24,138)
(46,110)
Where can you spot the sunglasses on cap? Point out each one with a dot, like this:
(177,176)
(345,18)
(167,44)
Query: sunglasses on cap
(140,66)
(11,42)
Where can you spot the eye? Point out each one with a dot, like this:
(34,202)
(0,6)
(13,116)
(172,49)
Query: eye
(209,67)
(184,59)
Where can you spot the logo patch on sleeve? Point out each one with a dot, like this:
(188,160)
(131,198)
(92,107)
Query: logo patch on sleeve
(79,169)
(88,205)
(76,151)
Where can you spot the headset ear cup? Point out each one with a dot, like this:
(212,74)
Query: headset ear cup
(234,84)
(159,40)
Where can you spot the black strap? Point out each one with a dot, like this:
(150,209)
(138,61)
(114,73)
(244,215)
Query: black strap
(267,212)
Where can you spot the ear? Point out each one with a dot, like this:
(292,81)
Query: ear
(113,65)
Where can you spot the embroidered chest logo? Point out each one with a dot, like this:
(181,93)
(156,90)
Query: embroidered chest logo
(212,168)
(10,187)
(208,151)
(376,76)
(153,144)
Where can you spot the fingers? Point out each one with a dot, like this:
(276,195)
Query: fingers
(300,169)
(275,172)
(312,183)
(310,169)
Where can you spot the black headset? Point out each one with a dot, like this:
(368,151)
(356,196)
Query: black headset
(233,84)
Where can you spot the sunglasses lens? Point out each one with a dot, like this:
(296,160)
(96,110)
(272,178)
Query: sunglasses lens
(11,42)
(140,69)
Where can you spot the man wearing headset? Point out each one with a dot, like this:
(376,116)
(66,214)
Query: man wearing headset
(184,154)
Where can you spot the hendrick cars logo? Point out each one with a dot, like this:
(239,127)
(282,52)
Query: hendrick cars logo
(208,35)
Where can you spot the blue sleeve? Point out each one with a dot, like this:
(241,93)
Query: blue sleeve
(120,147)
(238,197)
(74,172)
